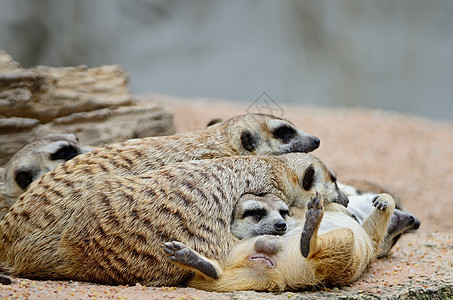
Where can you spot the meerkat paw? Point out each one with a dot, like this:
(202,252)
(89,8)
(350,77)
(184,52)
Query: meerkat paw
(313,218)
(182,254)
(380,202)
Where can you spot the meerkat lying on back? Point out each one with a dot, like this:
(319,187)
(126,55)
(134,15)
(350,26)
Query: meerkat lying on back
(108,228)
(33,160)
(331,248)
(250,134)
(268,215)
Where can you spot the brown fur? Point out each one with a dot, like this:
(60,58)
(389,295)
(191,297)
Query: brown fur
(340,251)
(108,228)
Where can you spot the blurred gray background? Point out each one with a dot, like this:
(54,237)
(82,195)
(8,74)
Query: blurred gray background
(394,55)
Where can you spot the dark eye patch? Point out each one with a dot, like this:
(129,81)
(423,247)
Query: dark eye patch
(284,213)
(23,179)
(65,153)
(257,214)
(285,133)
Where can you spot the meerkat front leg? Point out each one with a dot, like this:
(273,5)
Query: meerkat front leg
(375,225)
(183,255)
(313,217)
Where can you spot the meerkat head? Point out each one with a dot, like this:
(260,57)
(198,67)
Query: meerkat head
(314,176)
(37,158)
(261,134)
(260,215)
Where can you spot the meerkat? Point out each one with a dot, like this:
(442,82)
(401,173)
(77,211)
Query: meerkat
(256,215)
(268,215)
(33,160)
(108,228)
(250,134)
(360,194)
(329,248)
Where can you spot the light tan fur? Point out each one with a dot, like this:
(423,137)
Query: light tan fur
(340,251)
(32,161)
(108,228)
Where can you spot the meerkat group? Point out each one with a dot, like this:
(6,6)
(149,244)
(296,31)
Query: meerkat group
(103,216)
(109,228)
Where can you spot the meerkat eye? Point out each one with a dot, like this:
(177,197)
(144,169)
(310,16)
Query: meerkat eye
(23,179)
(284,133)
(284,213)
(257,214)
(65,153)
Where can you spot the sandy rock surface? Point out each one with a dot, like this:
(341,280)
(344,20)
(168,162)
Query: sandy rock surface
(409,155)
(93,103)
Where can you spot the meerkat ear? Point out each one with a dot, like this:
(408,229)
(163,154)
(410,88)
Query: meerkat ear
(213,122)
(309,178)
(248,141)
(23,179)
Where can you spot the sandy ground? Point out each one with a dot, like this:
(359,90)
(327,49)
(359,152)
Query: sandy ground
(411,156)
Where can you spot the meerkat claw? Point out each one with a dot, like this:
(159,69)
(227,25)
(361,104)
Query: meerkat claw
(379,203)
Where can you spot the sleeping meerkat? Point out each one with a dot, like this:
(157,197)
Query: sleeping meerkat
(108,228)
(33,160)
(361,194)
(250,134)
(260,215)
(331,248)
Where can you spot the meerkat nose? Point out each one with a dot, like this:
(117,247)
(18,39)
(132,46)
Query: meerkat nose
(280,226)
(415,223)
(316,141)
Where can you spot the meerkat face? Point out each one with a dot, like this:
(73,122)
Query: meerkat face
(37,158)
(261,134)
(260,215)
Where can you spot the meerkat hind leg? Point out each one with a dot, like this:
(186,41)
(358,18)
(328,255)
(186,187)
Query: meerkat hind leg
(377,222)
(313,217)
(179,253)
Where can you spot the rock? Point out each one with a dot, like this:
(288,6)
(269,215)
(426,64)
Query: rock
(93,103)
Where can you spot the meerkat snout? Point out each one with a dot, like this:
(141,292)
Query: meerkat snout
(316,142)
